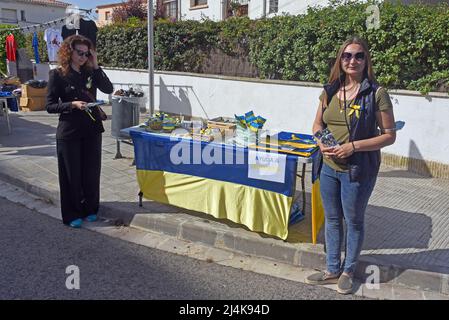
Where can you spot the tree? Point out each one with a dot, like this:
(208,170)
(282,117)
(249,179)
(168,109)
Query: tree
(131,8)
(137,9)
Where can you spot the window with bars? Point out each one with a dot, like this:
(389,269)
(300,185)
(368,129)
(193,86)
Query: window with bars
(273,6)
(171,8)
(194,3)
(9,16)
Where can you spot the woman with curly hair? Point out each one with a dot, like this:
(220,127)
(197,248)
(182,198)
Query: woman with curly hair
(71,87)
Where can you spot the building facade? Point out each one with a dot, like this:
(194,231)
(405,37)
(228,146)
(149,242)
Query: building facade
(104,13)
(218,10)
(31,12)
(268,8)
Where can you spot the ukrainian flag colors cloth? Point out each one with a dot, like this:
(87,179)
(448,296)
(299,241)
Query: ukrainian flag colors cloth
(216,179)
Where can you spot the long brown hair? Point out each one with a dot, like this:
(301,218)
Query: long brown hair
(66,50)
(337,71)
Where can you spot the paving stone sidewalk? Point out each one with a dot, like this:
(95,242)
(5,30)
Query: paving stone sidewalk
(407,221)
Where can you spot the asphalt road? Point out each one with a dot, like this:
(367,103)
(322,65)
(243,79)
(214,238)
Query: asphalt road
(36,251)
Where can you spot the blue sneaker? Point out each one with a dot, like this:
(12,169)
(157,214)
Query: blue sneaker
(91,218)
(76,223)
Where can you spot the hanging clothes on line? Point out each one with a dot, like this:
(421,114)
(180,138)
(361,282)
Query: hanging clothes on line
(88,28)
(54,40)
(11,48)
(35,44)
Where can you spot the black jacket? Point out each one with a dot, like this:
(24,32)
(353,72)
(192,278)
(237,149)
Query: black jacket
(62,90)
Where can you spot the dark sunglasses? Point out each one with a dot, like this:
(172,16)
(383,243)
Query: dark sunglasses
(347,56)
(83,53)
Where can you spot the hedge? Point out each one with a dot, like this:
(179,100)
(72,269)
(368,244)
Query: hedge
(409,50)
(42,48)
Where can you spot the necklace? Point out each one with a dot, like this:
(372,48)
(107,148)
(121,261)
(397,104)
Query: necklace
(343,107)
(349,93)
(350,88)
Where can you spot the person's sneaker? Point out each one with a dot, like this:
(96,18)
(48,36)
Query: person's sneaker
(76,223)
(322,277)
(92,218)
(345,284)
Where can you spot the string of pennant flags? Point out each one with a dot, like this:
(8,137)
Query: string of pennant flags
(44,24)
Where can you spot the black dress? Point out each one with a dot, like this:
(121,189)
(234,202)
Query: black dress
(78,140)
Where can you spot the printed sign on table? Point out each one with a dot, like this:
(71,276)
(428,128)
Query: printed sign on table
(266,166)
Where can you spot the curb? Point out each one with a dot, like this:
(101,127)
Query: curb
(212,233)
(195,229)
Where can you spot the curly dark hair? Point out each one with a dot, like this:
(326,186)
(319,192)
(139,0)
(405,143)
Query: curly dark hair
(66,50)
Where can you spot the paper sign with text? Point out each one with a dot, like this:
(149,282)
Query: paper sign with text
(266,166)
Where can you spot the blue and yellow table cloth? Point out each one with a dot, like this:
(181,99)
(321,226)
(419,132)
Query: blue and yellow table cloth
(219,179)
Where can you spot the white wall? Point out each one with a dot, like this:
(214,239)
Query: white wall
(291,106)
(292,7)
(255,8)
(34,13)
(213,11)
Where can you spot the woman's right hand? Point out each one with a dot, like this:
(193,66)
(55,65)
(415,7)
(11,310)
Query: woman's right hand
(327,151)
(79,105)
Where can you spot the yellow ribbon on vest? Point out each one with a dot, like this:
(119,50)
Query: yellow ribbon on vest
(355,108)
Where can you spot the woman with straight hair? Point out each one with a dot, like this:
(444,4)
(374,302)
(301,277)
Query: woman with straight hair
(71,87)
(359,115)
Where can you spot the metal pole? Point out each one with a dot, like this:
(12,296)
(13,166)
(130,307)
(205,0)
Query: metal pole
(150,56)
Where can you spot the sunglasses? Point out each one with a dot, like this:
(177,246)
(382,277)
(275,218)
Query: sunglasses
(83,53)
(347,56)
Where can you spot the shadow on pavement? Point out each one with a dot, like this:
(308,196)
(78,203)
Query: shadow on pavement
(29,133)
(403,174)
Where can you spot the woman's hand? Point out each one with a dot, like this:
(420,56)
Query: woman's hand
(93,58)
(79,105)
(344,151)
(327,151)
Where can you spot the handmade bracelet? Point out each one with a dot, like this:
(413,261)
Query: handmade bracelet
(388,130)
(353,147)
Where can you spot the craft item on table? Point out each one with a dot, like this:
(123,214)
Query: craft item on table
(206,134)
(168,126)
(248,128)
(161,121)
(186,124)
(288,142)
(202,137)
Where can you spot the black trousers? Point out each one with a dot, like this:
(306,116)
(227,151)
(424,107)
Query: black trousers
(79,167)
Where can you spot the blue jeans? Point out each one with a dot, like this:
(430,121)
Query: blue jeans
(344,199)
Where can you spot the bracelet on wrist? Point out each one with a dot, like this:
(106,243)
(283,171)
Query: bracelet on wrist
(353,147)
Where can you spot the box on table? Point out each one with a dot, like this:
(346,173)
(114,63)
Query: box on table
(30,92)
(222,123)
(32,104)
(226,125)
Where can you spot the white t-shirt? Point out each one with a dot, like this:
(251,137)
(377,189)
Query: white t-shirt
(53,39)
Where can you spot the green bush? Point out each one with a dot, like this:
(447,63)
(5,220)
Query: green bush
(42,48)
(123,46)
